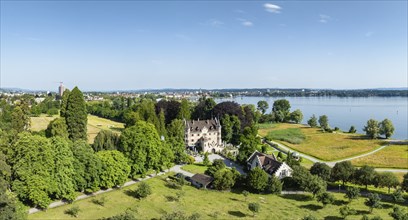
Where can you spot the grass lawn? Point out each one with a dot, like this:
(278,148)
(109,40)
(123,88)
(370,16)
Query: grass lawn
(325,146)
(95,124)
(393,156)
(209,204)
(195,168)
(41,122)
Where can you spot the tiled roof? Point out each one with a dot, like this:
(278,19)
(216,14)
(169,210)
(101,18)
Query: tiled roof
(202,178)
(200,124)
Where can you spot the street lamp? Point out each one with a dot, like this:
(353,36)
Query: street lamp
(339,187)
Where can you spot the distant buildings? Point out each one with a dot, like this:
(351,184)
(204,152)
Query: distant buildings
(204,135)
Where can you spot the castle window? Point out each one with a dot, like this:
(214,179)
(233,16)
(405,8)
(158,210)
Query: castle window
(192,140)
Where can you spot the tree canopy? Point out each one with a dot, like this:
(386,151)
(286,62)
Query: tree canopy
(76,115)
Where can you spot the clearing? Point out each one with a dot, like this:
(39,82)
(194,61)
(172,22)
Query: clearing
(393,156)
(314,142)
(95,124)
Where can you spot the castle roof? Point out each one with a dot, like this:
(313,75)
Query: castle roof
(199,125)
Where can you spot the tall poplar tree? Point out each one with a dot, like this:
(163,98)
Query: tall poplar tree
(76,115)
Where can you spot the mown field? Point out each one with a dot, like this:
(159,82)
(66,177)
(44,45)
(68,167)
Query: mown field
(314,142)
(393,156)
(209,205)
(195,168)
(95,124)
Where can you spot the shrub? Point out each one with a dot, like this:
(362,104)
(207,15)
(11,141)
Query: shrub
(325,198)
(309,217)
(74,211)
(346,211)
(99,201)
(254,207)
(143,190)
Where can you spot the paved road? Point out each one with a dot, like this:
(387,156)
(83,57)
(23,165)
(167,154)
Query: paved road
(285,149)
(228,162)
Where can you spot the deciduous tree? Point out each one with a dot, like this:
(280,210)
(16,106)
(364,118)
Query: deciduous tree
(387,128)
(262,106)
(257,179)
(372,128)
(57,128)
(115,168)
(312,122)
(296,116)
(324,122)
(342,171)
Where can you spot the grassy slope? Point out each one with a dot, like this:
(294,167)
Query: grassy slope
(393,156)
(95,124)
(326,146)
(226,205)
(195,168)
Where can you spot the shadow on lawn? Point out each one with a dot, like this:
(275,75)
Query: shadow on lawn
(238,214)
(332,218)
(340,202)
(298,197)
(311,207)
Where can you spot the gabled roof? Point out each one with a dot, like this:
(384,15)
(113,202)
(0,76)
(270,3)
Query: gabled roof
(202,178)
(269,163)
(200,125)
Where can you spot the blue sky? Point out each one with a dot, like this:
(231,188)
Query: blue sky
(104,45)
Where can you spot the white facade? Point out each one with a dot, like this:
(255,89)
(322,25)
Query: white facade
(269,164)
(204,135)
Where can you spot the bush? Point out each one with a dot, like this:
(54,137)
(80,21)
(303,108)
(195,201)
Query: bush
(74,211)
(352,129)
(346,211)
(143,190)
(325,198)
(254,207)
(99,201)
(309,217)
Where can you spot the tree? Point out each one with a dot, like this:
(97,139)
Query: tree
(218,164)
(352,130)
(315,185)
(373,201)
(185,111)
(224,179)
(64,102)
(257,179)
(365,175)
(63,169)
(309,217)
(404,184)
(372,128)
(352,193)
(143,190)
(76,115)
(325,198)
(226,128)
(73,211)
(20,121)
(141,144)
(175,139)
(115,168)
(162,124)
(171,109)
(254,207)
(398,213)
(346,211)
(280,110)
(312,122)
(203,110)
(324,122)
(33,166)
(206,161)
(296,116)
(249,143)
(274,185)
(387,179)
(262,106)
(387,128)
(87,166)
(342,171)
(106,140)
(397,196)
(322,170)
(57,128)
(236,130)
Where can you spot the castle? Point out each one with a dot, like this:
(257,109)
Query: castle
(204,135)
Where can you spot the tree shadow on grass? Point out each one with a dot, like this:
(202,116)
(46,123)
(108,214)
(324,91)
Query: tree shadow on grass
(311,207)
(386,206)
(298,197)
(362,212)
(332,218)
(130,193)
(234,199)
(340,202)
(238,214)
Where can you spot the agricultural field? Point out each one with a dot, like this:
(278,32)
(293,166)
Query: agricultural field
(95,124)
(314,142)
(393,156)
(209,204)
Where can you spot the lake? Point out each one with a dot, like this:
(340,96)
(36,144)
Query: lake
(344,112)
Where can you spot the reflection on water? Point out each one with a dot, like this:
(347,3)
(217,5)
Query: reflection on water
(344,112)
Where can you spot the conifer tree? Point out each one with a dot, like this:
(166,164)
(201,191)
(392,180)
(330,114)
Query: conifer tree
(76,115)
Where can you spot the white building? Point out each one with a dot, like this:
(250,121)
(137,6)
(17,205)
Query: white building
(204,135)
(269,164)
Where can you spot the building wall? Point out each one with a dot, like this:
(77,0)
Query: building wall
(208,140)
(283,171)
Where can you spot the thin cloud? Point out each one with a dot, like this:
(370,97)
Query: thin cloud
(183,37)
(240,11)
(245,22)
(213,23)
(324,18)
(272,8)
